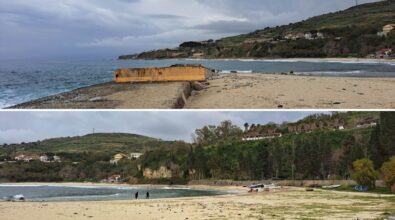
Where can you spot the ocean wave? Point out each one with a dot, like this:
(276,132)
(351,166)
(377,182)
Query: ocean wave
(237,71)
(77,197)
(352,72)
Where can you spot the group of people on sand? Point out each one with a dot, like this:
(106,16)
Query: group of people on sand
(136,195)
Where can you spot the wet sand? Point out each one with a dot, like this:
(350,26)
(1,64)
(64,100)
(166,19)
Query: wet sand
(274,91)
(286,203)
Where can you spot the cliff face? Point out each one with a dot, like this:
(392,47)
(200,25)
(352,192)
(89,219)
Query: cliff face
(352,32)
(161,173)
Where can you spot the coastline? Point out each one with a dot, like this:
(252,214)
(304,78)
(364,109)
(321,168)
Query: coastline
(329,59)
(232,91)
(289,203)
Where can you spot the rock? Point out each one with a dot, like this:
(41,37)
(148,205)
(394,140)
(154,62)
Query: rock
(197,86)
(96,99)
(280,106)
(235,86)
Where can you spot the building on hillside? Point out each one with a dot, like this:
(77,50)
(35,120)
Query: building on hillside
(257,136)
(112,179)
(57,159)
(386,30)
(197,55)
(294,36)
(320,35)
(135,156)
(44,158)
(308,36)
(383,53)
(27,157)
(118,157)
(367,123)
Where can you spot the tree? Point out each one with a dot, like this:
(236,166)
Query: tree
(388,170)
(364,173)
(387,137)
(213,134)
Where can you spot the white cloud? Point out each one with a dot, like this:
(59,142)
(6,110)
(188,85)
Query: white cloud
(61,27)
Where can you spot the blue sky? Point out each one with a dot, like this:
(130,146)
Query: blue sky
(48,29)
(16,127)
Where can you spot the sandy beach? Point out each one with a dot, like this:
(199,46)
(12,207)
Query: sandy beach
(232,91)
(273,91)
(116,96)
(286,203)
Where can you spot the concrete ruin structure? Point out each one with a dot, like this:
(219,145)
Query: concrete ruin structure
(164,74)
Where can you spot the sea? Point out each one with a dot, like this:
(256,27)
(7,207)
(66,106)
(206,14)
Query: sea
(58,193)
(22,81)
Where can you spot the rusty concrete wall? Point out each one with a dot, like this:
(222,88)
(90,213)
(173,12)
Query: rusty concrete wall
(176,73)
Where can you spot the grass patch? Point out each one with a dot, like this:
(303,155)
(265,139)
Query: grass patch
(350,188)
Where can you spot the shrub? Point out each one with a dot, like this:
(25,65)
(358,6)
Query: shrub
(364,173)
(388,170)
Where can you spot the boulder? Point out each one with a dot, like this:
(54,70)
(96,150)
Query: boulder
(197,86)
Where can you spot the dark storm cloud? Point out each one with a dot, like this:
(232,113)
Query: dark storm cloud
(45,28)
(16,127)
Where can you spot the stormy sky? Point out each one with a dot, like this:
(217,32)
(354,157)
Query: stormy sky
(16,127)
(48,29)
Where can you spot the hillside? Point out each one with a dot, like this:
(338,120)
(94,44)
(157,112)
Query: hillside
(99,142)
(349,33)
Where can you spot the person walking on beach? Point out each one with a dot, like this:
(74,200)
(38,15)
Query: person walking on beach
(136,195)
(147,196)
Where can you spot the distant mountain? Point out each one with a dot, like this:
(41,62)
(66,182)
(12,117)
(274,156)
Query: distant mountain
(98,142)
(352,32)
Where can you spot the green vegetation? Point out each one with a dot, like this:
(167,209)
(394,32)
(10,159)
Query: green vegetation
(108,143)
(388,170)
(218,153)
(348,33)
(364,173)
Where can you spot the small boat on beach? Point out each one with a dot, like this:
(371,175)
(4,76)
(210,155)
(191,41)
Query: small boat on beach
(331,186)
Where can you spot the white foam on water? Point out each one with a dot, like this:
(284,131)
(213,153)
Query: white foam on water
(335,72)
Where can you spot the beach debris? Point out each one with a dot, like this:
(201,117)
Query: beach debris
(280,106)
(361,188)
(15,198)
(96,99)
(197,86)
